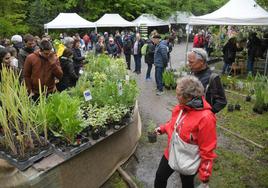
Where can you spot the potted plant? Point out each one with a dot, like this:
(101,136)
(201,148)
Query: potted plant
(237,107)
(230,107)
(151,134)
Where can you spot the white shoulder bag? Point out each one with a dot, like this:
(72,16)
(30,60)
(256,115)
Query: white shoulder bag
(183,157)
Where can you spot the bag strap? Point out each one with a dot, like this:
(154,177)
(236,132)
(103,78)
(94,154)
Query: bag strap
(178,120)
(211,78)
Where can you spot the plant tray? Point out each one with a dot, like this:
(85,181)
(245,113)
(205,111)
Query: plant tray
(70,151)
(23,165)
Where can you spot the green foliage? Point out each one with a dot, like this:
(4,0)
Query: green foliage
(63,116)
(21,16)
(151,126)
(169,78)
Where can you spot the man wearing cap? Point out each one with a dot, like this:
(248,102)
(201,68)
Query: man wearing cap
(112,48)
(214,92)
(160,62)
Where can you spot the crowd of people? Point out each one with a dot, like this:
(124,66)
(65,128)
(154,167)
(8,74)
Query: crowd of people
(35,58)
(200,96)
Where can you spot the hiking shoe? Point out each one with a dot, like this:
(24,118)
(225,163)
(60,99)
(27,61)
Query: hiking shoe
(159,93)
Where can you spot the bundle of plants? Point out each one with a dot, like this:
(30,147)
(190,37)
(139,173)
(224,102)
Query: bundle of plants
(64,120)
(20,138)
(101,119)
(260,86)
(169,80)
(115,69)
(109,93)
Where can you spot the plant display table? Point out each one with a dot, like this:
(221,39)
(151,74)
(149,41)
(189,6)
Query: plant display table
(90,168)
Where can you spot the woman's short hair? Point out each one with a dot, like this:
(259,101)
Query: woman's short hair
(190,86)
(67,52)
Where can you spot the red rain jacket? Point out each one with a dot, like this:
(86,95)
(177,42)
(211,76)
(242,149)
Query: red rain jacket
(197,127)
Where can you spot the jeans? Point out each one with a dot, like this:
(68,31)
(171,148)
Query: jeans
(250,64)
(158,78)
(137,59)
(128,60)
(164,172)
(148,73)
(226,67)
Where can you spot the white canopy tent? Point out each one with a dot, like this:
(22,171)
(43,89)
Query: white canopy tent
(180,17)
(234,12)
(68,21)
(149,20)
(113,20)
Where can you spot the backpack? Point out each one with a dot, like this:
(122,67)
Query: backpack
(144,49)
(211,78)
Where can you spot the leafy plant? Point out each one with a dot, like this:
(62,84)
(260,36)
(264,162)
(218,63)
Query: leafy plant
(151,126)
(169,79)
(16,114)
(63,116)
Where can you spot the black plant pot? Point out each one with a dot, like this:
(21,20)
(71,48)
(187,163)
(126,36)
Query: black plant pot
(265,107)
(174,87)
(102,131)
(257,110)
(168,87)
(248,98)
(152,137)
(237,107)
(117,126)
(95,134)
(230,108)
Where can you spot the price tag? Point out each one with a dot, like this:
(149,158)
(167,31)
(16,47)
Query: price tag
(87,95)
(81,71)
(120,88)
(127,78)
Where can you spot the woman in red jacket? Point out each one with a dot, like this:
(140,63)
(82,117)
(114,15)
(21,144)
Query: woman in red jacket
(197,126)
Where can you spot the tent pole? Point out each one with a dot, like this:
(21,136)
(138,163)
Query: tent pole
(266,62)
(187,43)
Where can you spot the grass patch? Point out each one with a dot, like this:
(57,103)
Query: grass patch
(232,170)
(245,122)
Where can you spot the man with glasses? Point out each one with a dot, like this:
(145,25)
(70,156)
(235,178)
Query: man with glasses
(42,65)
(214,92)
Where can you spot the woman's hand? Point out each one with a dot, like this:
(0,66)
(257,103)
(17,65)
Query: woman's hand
(157,131)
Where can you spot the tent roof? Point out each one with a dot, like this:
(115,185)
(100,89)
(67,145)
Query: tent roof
(180,17)
(149,20)
(234,12)
(113,20)
(68,20)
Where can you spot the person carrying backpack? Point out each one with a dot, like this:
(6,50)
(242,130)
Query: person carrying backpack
(149,57)
(214,92)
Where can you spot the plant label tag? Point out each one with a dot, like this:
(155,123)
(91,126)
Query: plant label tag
(87,95)
(127,78)
(120,88)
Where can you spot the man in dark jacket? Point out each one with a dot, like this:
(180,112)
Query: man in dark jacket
(24,52)
(160,62)
(149,58)
(214,91)
(112,48)
(127,46)
(253,44)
